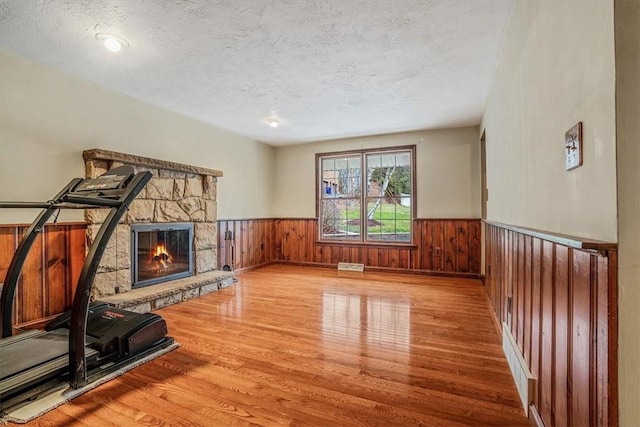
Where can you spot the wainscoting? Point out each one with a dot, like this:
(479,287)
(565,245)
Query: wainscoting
(53,267)
(250,244)
(254,242)
(51,271)
(558,295)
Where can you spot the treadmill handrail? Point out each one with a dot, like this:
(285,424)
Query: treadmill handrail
(69,201)
(93,201)
(80,309)
(45,205)
(20,256)
(27,205)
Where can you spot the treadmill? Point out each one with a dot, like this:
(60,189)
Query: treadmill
(93,339)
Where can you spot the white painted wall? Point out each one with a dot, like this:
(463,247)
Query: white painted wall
(557,68)
(627,19)
(448,173)
(47,119)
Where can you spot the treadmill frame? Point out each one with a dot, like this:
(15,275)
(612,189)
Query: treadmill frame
(19,258)
(79,312)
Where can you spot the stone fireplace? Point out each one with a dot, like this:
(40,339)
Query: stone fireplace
(178,196)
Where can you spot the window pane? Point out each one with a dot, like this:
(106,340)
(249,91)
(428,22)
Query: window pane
(340,177)
(403,159)
(389,196)
(328,164)
(353,214)
(354,163)
(403,230)
(341,207)
(341,219)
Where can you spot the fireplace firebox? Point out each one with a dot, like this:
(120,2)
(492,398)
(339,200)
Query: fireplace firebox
(160,252)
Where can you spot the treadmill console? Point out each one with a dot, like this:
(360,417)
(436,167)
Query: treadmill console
(114,179)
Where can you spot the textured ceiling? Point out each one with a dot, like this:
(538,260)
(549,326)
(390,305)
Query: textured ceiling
(325,68)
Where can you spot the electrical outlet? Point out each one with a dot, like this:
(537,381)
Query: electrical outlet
(437,251)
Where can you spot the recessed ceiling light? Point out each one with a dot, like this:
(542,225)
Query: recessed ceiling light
(112,42)
(273,123)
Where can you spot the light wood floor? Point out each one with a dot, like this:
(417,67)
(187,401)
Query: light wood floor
(304,346)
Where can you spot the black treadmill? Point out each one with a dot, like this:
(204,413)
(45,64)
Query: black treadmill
(92,339)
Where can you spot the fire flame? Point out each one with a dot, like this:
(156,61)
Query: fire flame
(162,256)
(161,249)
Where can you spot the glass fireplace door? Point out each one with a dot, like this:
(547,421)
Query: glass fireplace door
(161,252)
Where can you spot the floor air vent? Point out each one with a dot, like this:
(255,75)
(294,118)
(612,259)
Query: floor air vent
(521,375)
(349,266)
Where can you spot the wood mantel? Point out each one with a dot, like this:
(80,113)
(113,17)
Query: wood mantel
(100,154)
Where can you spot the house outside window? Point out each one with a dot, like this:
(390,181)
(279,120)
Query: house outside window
(366,196)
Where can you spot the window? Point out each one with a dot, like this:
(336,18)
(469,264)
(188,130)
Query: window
(366,196)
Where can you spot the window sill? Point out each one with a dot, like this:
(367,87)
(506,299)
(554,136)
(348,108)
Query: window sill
(366,245)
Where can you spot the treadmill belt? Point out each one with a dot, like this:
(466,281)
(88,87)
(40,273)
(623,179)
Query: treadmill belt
(34,351)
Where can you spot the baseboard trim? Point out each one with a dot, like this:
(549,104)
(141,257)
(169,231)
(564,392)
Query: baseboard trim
(254,267)
(366,268)
(307,264)
(425,272)
(381,269)
(534,416)
(34,324)
(524,381)
(494,316)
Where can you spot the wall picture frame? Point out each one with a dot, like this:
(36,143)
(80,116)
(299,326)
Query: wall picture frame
(573,147)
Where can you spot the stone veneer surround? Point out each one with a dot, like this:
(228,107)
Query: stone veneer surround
(176,193)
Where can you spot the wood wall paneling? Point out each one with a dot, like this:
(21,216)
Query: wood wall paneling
(527,296)
(55,271)
(251,244)
(564,317)
(51,270)
(435,243)
(581,334)
(507,307)
(440,245)
(8,245)
(536,311)
(474,236)
(450,245)
(462,247)
(519,292)
(545,386)
(30,293)
(561,336)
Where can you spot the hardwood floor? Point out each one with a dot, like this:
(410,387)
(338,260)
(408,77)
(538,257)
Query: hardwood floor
(310,346)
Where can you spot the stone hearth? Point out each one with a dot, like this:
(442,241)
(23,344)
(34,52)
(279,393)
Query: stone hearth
(161,295)
(176,193)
